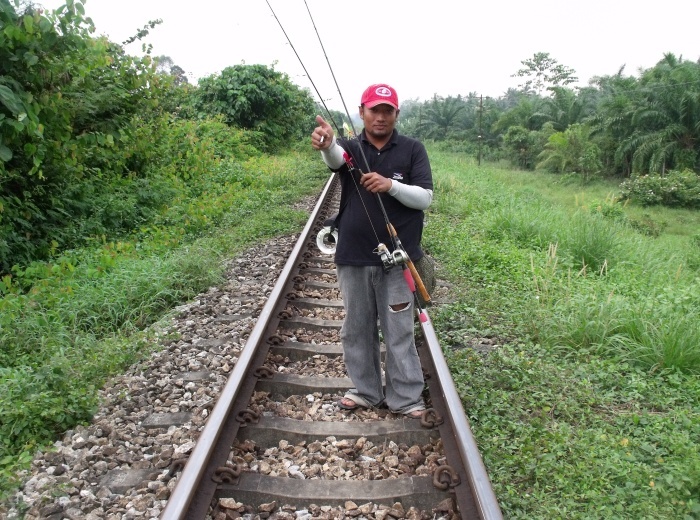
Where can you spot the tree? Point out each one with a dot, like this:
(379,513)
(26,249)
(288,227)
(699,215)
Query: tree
(667,121)
(257,98)
(519,143)
(544,72)
(441,117)
(66,105)
(527,114)
(611,124)
(571,150)
(166,65)
(565,107)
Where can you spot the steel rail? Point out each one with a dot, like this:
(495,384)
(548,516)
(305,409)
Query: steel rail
(484,495)
(182,496)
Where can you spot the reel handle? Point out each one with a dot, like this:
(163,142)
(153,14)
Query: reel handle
(414,272)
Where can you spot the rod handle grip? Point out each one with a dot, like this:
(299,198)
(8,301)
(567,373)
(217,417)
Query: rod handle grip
(419,282)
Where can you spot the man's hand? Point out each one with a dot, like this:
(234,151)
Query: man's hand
(322,136)
(375,183)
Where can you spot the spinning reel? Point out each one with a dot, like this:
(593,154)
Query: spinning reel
(391,258)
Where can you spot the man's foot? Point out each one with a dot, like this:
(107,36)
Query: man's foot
(352,402)
(348,404)
(415,412)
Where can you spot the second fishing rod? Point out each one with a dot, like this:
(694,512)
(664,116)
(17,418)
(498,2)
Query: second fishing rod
(397,255)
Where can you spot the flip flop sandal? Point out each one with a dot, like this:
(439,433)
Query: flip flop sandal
(358,401)
(415,412)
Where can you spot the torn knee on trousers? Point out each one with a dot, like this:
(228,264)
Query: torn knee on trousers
(400,307)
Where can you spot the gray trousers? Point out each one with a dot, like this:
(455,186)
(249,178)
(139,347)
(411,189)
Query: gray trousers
(368,292)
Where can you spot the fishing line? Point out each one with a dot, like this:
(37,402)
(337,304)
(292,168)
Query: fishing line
(347,112)
(394,241)
(409,269)
(304,67)
(359,193)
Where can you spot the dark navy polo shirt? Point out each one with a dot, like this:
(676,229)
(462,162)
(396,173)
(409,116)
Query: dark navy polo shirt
(403,159)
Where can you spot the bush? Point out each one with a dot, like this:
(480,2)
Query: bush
(67,101)
(191,150)
(259,99)
(679,189)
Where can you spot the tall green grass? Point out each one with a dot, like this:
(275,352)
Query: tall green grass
(68,324)
(609,287)
(589,407)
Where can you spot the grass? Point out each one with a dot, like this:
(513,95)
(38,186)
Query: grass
(590,406)
(87,313)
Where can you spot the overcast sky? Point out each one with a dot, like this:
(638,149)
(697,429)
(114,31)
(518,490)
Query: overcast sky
(443,47)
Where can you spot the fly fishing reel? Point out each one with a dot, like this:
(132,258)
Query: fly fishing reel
(327,239)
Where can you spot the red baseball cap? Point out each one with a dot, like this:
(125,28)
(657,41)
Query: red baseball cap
(380,93)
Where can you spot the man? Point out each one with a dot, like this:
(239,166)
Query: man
(397,170)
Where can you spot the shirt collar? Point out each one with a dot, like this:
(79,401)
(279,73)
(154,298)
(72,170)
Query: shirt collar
(393,141)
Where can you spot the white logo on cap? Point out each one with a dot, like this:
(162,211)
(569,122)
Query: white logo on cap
(383,91)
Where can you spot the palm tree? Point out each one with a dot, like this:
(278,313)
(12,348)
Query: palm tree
(667,123)
(612,123)
(527,114)
(440,117)
(571,150)
(566,107)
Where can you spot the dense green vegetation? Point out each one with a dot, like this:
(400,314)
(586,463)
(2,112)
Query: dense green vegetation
(121,197)
(590,405)
(642,130)
(124,189)
(94,141)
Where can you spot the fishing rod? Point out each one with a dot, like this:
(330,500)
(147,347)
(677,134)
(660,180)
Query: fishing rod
(398,256)
(330,115)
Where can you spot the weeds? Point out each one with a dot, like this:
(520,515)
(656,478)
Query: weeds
(590,406)
(68,324)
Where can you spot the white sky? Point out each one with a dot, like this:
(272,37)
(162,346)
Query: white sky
(443,47)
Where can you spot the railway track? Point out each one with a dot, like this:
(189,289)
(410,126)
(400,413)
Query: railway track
(275,441)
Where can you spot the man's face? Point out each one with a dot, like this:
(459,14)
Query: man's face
(379,120)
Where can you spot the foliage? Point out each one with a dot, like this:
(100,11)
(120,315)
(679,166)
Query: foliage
(67,324)
(651,122)
(675,189)
(565,107)
(589,250)
(259,99)
(571,150)
(525,113)
(590,439)
(440,117)
(194,149)
(612,122)
(666,133)
(544,72)
(639,125)
(581,385)
(522,145)
(166,65)
(67,101)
